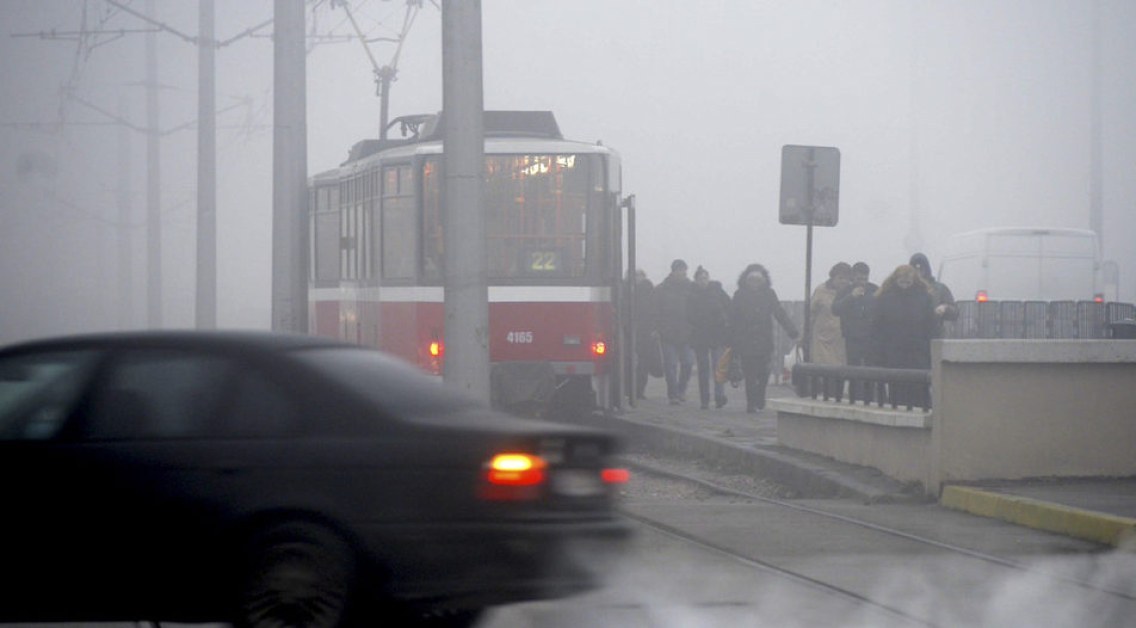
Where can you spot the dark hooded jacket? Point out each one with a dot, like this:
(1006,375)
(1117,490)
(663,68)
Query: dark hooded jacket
(709,310)
(939,292)
(751,320)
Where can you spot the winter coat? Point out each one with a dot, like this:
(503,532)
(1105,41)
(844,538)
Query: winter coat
(827,341)
(903,325)
(751,321)
(855,312)
(708,308)
(642,308)
(671,300)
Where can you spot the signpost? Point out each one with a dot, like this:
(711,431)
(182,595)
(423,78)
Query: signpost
(810,194)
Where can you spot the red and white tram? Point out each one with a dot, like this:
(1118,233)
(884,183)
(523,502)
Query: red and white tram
(552,213)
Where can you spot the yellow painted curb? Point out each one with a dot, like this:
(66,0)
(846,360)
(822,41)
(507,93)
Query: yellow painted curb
(1076,522)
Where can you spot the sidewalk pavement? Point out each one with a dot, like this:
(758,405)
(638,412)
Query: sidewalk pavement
(1101,510)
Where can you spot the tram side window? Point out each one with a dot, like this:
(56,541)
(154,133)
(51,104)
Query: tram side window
(399,228)
(326,234)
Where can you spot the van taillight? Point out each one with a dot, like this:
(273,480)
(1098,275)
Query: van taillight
(615,476)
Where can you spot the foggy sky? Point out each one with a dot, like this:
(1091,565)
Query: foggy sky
(957,115)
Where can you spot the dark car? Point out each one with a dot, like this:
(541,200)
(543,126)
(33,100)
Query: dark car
(284,480)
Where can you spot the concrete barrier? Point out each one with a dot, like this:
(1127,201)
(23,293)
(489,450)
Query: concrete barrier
(1003,410)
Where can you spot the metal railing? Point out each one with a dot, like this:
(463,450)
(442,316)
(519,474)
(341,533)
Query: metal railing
(1039,320)
(867,385)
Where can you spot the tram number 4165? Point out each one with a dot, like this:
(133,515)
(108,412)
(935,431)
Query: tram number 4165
(519,337)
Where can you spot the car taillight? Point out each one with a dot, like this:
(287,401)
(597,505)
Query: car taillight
(599,348)
(981,297)
(1098,298)
(516,470)
(435,348)
(514,477)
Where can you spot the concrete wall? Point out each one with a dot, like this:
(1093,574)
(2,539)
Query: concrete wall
(1013,409)
(894,441)
(1003,410)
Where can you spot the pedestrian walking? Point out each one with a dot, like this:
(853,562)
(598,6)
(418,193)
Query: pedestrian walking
(754,307)
(945,307)
(709,308)
(672,297)
(648,354)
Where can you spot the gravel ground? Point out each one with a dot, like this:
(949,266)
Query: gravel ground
(646,485)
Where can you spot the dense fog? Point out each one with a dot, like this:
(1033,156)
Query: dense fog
(948,116)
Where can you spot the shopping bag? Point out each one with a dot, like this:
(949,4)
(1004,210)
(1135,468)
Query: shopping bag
(722,368)
(734,372)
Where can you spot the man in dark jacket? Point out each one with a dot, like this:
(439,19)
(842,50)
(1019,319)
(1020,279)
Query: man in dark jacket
(709,306)
(945,307)
(673,321)
(854,307)
(752,311)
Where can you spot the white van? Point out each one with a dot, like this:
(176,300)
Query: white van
(1023,264)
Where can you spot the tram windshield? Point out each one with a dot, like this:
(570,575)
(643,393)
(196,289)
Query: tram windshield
(541,224)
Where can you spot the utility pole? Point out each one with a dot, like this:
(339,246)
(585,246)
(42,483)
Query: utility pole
(153,183)
(289,171)
(207,45)
(125,275)
(914,238)
(1096,159)
(206,311)
(467,286)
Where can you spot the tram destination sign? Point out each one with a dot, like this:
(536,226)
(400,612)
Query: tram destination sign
(810,185)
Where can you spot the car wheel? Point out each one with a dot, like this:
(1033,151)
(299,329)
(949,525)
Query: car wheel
(297,574)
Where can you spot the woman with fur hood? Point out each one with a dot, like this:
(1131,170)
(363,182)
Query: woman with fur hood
(903,325)
(752,311)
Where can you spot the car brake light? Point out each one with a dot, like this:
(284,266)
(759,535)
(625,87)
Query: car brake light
(982,297)
(516,470)
(615,476)
(599,348)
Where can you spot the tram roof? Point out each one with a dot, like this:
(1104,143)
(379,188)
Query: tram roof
(428,130)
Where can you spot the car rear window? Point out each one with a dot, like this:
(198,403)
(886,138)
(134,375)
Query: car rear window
(398,387)
(37,391)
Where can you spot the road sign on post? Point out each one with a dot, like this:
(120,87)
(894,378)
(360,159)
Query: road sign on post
(810,194)
(810,185)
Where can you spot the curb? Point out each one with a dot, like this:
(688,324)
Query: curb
(1075,522)
(801,475)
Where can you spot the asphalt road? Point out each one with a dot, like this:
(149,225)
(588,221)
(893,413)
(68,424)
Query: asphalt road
(668,582)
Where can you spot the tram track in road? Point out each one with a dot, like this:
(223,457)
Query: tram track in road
(686,537)
(701,480)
